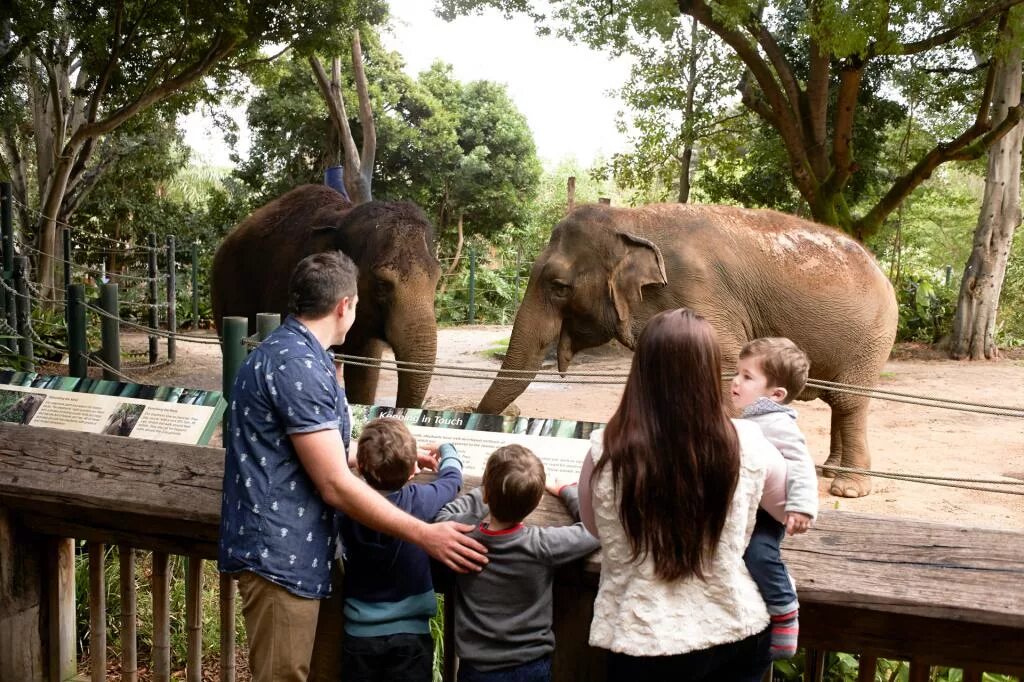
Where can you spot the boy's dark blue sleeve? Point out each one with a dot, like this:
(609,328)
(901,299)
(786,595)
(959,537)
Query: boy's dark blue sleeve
(428,498)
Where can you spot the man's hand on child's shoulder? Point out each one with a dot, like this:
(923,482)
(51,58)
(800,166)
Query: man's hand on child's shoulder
(797,523)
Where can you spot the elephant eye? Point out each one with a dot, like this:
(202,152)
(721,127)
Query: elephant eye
(383,288)
(560,288)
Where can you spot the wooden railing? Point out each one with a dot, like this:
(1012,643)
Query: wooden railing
(930,594)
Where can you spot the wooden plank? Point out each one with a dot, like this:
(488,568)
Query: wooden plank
(129,616)
(920,670)
(23,573)
(814,665)
(194,620)
(97,611)
(61,609)
(867,668)
(161,619)
(898,636)
(227,628)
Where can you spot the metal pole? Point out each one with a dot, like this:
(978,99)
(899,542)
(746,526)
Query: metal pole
(233,330)
(7,244)
(25,350)
(67,257)
(472,284)
(78,344)
(195,285)
(153,318)
(172,300)
(267,323)
(110,333)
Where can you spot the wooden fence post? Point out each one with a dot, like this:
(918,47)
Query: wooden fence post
(110,333)
(233,352)
(266,323)
(23,592)
(172,300)
(97,612)
(129,616)
(61,606)
(78,343)
(161,618)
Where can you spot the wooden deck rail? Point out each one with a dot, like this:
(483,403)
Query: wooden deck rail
(927,593)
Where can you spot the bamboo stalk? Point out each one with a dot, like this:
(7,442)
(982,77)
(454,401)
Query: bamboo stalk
(97,612)
(161,619)
(129,616)
(227,628)
(61,579)
(814,665)
(194,620)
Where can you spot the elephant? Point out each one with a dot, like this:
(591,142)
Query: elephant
(392,244)
(750,272)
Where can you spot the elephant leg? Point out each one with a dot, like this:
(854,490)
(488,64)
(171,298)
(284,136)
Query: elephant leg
(835,450)
(850,420)
(361,382)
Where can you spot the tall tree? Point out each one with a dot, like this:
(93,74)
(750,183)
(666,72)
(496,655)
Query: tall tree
(837,42)
(975,321)
(84,69)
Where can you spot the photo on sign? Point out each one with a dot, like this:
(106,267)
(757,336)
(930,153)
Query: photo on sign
(18,407)
(123,419)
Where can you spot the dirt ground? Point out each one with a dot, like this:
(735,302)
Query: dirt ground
(903,438)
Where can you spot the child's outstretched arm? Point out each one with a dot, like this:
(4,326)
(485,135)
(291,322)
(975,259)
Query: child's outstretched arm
(568,543)
(469,508)
(430,497)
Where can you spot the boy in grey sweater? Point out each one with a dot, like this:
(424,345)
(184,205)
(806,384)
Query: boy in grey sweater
(770,373)
(503,616)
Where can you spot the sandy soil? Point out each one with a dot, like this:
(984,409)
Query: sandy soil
(903,438)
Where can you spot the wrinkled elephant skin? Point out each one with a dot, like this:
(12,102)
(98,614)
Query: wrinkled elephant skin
(751,273)
(392,243)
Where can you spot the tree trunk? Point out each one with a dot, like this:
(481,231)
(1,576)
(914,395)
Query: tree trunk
(684,174)
(688,134)
(455,261)
(975,320)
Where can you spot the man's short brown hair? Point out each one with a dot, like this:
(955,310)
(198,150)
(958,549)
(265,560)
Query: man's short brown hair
(782,362)
(386,454)
(319,282)
(513,483)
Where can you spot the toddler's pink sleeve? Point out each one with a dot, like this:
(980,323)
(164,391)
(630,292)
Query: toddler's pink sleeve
(773,499)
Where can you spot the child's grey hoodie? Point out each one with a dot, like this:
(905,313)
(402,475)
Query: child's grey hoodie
(778,423)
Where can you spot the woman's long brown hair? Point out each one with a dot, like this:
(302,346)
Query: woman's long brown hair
(673,452)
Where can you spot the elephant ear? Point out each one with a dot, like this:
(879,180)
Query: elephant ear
(641,265)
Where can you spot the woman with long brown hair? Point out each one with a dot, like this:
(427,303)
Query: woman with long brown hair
(671,487)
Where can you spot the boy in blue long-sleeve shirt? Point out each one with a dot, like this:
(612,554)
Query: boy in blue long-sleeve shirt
(389,592)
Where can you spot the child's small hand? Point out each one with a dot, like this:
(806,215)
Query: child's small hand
(797,523)
(555,486)
(427,456)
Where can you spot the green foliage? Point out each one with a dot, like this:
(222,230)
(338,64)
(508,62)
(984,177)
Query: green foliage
(926,308)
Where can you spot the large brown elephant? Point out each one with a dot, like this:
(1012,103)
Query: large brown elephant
(392,243)
(751,273)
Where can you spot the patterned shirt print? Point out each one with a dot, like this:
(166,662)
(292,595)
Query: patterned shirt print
(273,521)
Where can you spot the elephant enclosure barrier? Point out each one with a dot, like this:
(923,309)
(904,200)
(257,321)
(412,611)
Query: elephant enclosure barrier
(928,593)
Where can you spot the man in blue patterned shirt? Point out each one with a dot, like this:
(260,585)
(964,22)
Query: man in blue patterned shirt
(286,471)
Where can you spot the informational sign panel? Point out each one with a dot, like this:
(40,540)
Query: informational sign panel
(560,443)
(164,413)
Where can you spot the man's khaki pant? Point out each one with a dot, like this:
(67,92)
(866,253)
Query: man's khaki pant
(280,628)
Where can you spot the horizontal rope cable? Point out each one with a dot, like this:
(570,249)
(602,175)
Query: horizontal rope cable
(928,480)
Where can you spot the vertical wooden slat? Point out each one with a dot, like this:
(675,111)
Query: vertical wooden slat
(227,628)
(97,611)
(867,668)
(129,616)
(61,603)
(194,620)
(920,671)
(161,619)
(768,673)
(972,675)
(814,665)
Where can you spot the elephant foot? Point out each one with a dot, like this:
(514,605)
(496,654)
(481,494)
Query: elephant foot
(850,485)
(832,461)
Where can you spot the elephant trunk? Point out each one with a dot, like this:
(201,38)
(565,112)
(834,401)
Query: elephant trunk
(537,325)
(415,342)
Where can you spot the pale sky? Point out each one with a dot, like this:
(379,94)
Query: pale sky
(560,87)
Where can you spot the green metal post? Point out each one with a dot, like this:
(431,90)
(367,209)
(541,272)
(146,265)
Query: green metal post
(472,285)
(195,285)
(25,350)
(154,320)
(67,257)
(233,350)
(266,323)
(172,300)
(78,345)
(110,332)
